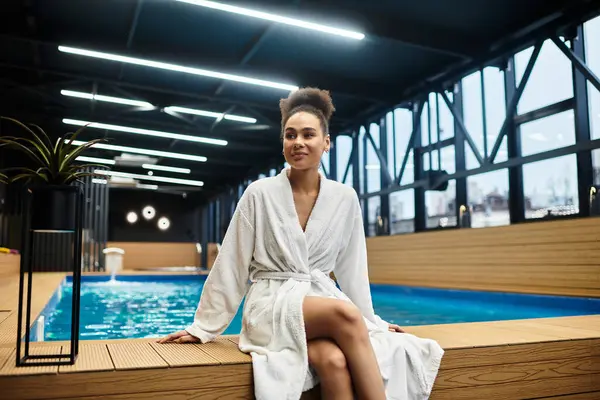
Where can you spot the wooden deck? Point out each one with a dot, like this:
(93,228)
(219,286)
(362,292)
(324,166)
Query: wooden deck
(527,359)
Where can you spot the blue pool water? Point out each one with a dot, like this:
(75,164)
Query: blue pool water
(153,306)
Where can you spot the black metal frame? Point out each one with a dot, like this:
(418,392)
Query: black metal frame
(31,360)
(486,157)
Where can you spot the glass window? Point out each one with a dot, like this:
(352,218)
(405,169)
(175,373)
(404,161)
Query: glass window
(448,161)
(592,56)
(403,125)
(446,118)
(495,110)
(551,80)
(441,207)
(495,113)
(344,148)
(548,133)
(551,187)
(402,211)
(487,195)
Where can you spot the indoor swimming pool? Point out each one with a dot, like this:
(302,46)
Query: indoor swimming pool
(153,306)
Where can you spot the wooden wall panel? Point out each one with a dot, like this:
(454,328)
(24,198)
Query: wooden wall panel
(552,257)
(161,254)
(154,254)
(9,265)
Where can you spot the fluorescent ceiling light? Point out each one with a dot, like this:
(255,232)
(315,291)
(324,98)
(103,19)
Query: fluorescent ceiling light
(149,187)
(150,178)
(167,168)
(177,68)
(99,181)
(148,152)
(147,132)
(212,114)
(275,18)
(108,99)
(144,104)
(96,160)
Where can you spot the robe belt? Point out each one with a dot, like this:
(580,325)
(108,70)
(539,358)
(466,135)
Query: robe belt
(284,276)
(281,276)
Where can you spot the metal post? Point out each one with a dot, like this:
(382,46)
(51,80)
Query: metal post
(420,209)
(365,188)
(585,169)
(384,207)
(516,196)
(355,163)
(204,236)
(459,153)
(333,174)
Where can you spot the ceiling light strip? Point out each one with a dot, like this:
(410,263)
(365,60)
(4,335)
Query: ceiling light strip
(148,152)
(211,114)
(144,104)
(275,18)
(96,160)
(176,68)
(107,99)
(147,132)
(150,178)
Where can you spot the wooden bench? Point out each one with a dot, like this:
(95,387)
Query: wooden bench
(550,257)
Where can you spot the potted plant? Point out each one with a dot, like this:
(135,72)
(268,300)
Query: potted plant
(51,178)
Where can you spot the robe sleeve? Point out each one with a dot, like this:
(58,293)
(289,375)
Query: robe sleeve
(227,282)
(351,270)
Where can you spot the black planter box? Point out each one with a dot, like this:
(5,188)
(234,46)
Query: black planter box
(54,207)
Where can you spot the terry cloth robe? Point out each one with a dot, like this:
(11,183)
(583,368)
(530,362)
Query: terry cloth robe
(267,257)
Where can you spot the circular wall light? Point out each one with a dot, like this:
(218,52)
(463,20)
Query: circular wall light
(164,223)
(149,212)
(132,217)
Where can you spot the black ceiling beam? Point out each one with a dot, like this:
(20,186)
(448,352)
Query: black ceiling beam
(148,88)
(575,13)
(375,92)
(132,29)
(381,25)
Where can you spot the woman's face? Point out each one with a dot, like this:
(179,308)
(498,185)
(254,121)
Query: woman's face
(304,141)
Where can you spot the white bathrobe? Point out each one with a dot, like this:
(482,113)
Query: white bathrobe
(267,257)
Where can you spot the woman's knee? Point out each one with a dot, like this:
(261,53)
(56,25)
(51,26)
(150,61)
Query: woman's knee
(349,321)
(326,357)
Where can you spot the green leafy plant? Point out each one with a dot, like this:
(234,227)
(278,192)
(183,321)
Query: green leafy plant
(55,164)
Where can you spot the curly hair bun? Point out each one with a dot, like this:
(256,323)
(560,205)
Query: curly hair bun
(307,97)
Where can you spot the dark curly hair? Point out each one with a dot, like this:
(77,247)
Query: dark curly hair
(312,100)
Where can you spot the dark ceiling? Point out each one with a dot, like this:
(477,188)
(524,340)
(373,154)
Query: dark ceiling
(408,46)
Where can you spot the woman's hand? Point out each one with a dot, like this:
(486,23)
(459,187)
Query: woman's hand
(179,337)
(395,328)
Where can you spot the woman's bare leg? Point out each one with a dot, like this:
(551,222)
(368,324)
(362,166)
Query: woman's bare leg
(342,322)
(330,363)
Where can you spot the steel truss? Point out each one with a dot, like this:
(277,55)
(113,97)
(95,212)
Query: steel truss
(573,48)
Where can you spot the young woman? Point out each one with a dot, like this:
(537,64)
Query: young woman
(287,234)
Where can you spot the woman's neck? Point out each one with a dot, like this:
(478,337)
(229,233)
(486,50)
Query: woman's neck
(304,181)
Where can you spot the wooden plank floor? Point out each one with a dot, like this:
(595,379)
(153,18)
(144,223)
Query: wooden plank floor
(493,361)
(548,358)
